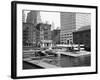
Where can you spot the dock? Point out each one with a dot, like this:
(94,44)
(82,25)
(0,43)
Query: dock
(76,54)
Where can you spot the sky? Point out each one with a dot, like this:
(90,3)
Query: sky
(49,17)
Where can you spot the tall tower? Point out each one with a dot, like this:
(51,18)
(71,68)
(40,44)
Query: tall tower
(38,17)
(71,21)
(83,19)
(33,17)
(68,24)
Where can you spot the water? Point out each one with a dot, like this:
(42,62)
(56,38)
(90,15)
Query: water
(69,61)
(63,61)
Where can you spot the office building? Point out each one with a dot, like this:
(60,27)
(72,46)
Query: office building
(33,17)
(70,22)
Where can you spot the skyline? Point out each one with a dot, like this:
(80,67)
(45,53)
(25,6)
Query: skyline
(53,18)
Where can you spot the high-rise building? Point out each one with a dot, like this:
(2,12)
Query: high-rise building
(68,22)
(82,19)
(71,21)
(33,17)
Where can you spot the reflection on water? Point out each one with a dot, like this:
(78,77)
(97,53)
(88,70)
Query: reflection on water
(69,61)
(63,60)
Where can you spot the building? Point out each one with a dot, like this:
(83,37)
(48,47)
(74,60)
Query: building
(29,35)
(30,32)
(23,16)
(44,35)
(82,19)
(83,36)
(56,36)
(33,17)
(67,26)
(71,21)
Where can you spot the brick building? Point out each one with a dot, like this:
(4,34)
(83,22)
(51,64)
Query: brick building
(56,36)
(83,36)
(45,35)
(29,34)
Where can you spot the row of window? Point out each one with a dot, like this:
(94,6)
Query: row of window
(66,40)
(66,34)
(66,37)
